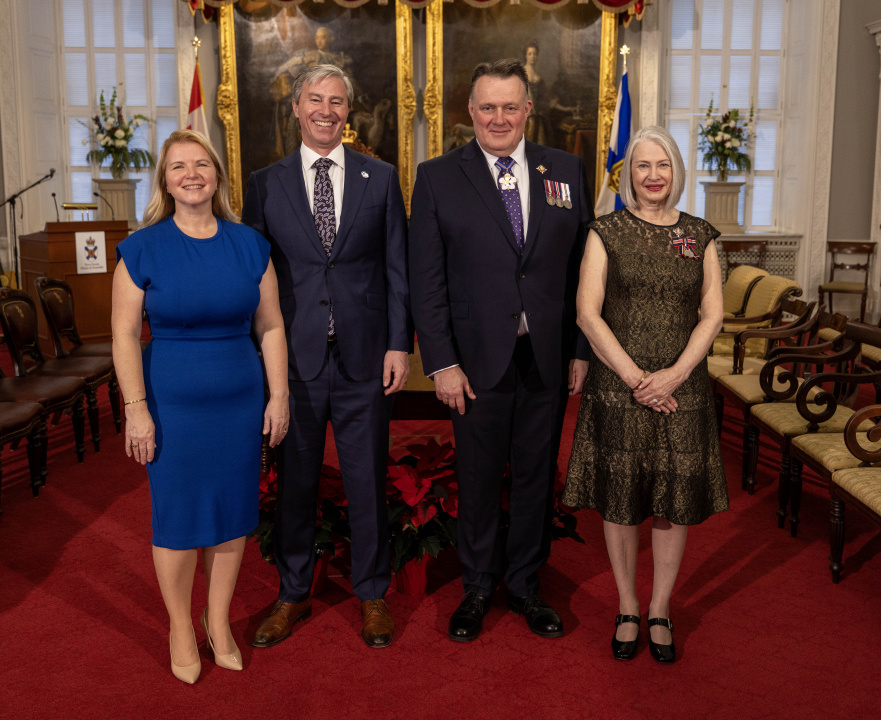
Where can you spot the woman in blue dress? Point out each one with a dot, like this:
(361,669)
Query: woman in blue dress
(194,402)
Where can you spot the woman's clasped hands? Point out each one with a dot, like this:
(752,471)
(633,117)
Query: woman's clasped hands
(655,390)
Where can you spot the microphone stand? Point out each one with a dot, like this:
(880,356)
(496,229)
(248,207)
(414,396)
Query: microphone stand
(11,200)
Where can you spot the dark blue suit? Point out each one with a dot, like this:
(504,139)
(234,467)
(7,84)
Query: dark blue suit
(365,280)
(470,284)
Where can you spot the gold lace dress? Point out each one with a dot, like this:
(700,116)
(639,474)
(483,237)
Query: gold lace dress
(628,461)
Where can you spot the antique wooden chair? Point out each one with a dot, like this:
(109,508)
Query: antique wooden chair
(737,288)
(24,420)
(848,250)
(741,391)
(764,308)
(823,404)
(756,249)
(56,395)
(56,299)
(18,317)
(858,486)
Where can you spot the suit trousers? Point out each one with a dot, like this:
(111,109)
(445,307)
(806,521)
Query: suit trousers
(515,421)
(359,414)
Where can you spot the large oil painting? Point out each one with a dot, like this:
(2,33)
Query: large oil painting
(560,49)
(273,44)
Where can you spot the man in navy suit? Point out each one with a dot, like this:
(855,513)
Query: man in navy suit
(496,237)
(336,222)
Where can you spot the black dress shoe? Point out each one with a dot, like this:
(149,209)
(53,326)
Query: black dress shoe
(541,617)
(467,622)
(662,653)
(624,649)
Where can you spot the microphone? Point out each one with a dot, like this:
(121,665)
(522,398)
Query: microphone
(51,172)
(57,216)
(112,214)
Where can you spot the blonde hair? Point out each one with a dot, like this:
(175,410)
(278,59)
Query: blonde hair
(161,203)
(662,138)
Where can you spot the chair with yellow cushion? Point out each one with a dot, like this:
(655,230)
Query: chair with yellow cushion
(826,453)
(843,260)
(823,404)
(764,308)
(738,286)
(741,391)
(856,487)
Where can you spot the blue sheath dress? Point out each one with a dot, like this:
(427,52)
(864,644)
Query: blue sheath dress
(203,378)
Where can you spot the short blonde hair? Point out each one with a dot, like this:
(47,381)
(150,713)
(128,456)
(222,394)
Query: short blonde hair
(662,138)
(161,203)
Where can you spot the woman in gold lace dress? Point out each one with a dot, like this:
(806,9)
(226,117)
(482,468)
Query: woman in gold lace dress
(646,445)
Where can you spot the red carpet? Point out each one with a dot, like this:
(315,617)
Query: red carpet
(761,631)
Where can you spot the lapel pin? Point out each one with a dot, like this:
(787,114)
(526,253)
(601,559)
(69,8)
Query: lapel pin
(542,169)
(365,174)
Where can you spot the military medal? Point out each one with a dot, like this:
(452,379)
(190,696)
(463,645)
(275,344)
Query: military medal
(549,192)
(567,196)
(558,195)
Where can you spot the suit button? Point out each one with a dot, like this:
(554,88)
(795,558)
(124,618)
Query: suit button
(330,266)
(522,275)
(516,316)
(324,302)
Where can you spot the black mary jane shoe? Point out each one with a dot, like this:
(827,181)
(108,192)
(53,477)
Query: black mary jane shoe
(665,654)
(624,649)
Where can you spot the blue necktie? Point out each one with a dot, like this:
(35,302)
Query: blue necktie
(325,217)
(511,195)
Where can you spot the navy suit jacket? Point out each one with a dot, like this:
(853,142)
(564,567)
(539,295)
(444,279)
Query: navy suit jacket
(469,282)
(364,277)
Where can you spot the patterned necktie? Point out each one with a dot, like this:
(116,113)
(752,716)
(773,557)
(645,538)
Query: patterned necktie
(511,195)
(325,218)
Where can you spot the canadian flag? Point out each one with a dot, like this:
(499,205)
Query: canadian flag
(196,117)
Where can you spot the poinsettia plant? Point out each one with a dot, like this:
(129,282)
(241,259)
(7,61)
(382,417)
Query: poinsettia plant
(423,501)
(332,520)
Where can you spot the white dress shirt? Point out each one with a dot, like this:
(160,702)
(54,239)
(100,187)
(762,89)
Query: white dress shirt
(337,173)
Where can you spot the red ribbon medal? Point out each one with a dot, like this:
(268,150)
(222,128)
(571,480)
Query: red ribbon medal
(685,245)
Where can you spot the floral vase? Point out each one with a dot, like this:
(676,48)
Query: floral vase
(412,579)
(322,562)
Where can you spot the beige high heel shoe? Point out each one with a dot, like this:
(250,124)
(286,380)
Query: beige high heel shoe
(233,661)
(186,673)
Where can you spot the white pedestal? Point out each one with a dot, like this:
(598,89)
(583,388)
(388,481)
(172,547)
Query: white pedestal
(120,196)
(720,207)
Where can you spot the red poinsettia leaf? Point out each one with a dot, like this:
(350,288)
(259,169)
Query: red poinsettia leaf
(450,505)
(423,513)
(412,487)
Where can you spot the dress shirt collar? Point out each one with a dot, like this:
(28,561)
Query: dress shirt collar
(309,156)
(519,156)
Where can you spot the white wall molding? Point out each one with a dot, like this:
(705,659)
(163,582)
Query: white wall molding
(650,63)
(817,140)
(10,121)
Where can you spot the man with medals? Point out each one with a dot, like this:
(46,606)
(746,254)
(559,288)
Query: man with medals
(494,271)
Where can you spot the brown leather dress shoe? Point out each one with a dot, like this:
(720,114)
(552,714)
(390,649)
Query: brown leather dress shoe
(378,627)
(279,624)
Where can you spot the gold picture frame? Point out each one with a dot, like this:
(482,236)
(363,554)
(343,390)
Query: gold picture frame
(434,88)
(228,99)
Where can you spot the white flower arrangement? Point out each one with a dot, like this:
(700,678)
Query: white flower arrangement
(725,142)
(113,133)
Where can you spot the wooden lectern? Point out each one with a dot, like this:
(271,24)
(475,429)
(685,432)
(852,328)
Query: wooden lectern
(52,253)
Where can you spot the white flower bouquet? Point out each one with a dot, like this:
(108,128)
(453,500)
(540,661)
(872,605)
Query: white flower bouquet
(724,142)
(113,133)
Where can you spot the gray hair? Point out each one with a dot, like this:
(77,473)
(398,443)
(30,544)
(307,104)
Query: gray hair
(659,136)
(318,73)
(502,69)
